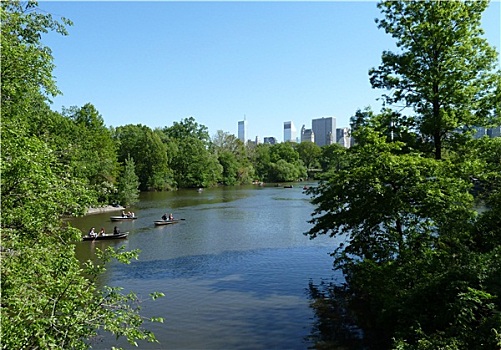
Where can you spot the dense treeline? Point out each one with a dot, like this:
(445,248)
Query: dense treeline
(55,164)
(422,263)
(180,156)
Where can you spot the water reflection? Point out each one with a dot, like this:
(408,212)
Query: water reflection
(235,272)
(335,325)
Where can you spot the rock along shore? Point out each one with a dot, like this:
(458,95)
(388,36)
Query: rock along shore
(105,209)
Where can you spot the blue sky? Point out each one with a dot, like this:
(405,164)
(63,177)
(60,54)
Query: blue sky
(154,63)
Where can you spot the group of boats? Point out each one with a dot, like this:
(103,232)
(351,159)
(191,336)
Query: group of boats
(122,235)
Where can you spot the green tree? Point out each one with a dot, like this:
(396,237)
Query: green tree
(96,159)
(24,57)
(282,171)
(260,158)
(228,142)
(309,153)
(421,263)
(445,70)
(395,126)
(333,157)
(285,164)
(407,223)
(232,155)
(230,166)
(188,127)
(48,300)
(149,153)
(194,165)
(128,184)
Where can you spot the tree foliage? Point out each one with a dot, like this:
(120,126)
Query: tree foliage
(195,165)
(149,153)
(277,163)
(188,127)
(416,256)
(48,300)
(196,160)
(309,153)
(128,185)
(232,155)
(95,155)
(444,69)
(418,235)
(52,305)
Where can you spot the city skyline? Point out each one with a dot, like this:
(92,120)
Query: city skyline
(161,62)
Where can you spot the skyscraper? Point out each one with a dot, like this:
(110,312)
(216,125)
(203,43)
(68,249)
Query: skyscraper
(324,130)
(494,132)
(343,137)
(242,130)
(307,135)
(290,132)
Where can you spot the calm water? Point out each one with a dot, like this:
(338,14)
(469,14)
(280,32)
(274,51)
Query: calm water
(235,272)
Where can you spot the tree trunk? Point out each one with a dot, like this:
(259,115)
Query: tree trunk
(437,139)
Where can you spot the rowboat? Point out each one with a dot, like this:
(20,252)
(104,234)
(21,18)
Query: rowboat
(120,218)
(106,236)
(166,222)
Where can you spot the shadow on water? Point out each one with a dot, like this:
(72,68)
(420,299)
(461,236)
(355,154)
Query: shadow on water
(335,326)
(235,272)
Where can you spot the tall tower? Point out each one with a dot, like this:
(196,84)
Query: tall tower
(290,132)
(343,137)
(242,130)
(324,130)
(307,135)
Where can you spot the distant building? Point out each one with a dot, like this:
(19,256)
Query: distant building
(343,137)
(324,130)
(494,132)
(307,135)
(270,140)
(290,132)
(480,132)
(242,130)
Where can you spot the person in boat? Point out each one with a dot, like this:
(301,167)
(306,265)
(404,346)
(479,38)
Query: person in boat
(101,232)
(116,231)
(164,217)
(171,217)
(92,233)
(123,214)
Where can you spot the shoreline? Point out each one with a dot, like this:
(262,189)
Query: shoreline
(105,209)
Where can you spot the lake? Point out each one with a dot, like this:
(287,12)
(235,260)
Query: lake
(235,272)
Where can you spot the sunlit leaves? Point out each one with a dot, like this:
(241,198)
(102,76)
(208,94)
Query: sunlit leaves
(444,69)
(421,265)
(47,163)
(149,153)
(128,185)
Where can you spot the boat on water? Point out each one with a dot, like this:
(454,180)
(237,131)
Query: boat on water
(166,222)
(106,236)
(120,218)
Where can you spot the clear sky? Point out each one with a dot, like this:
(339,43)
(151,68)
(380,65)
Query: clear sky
(154,63)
